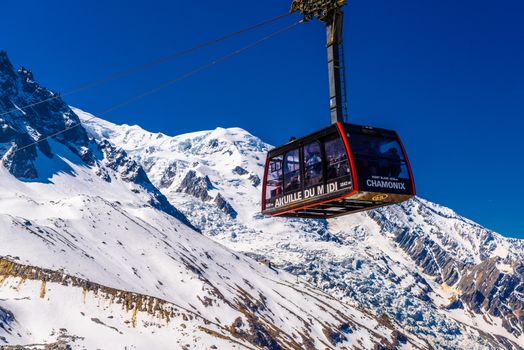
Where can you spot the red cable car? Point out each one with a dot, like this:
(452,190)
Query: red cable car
(343,168)
(339,170)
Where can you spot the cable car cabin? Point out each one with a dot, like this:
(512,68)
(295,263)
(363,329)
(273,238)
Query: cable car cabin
(339,170)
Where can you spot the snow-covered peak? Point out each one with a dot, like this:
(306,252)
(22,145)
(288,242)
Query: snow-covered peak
(198,143)
(209,154)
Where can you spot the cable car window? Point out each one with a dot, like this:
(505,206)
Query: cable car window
(312,164)
(379,156)
(336,158)
(292,171)
(274,178)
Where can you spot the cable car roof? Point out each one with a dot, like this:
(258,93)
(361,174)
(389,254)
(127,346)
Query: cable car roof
(351,128)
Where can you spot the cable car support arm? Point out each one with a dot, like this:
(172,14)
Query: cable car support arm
(329,12)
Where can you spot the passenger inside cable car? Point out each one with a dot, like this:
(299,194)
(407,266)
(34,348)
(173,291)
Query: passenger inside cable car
(313,164)
(378,157)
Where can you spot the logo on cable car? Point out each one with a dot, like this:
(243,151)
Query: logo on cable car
(379,197)
(309,193)
(288,199)
(386,184)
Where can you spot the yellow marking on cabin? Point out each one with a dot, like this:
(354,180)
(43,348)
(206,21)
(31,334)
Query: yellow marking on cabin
(379,197)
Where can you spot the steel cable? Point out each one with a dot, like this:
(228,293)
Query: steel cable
(164,85)
(146,66)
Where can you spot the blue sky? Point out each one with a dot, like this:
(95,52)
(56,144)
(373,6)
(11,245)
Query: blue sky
(448,75)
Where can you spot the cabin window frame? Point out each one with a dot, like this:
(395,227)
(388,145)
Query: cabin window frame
(299,170)
(280,178)
(322,162)
(342,146)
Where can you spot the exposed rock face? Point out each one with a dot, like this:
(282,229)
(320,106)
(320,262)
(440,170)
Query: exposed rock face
(255,180)
(20,128)
(434,260)
(48,116)
(169,176)
(117,159)
(485,288)
(197,186)
(224,205)
(6,317)
(239,170)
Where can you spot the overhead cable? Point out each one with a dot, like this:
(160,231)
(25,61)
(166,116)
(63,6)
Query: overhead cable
(166,84)
(145,66)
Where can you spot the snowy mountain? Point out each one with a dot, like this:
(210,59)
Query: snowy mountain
(440,276)
(94,256)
